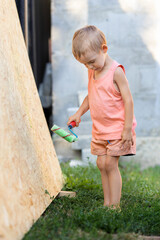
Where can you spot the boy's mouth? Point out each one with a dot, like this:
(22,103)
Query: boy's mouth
(97,69)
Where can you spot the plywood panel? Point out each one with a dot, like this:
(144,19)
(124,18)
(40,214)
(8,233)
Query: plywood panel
(28,162)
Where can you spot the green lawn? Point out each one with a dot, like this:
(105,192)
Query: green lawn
(83,217)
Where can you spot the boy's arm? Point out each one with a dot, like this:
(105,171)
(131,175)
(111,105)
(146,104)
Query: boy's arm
(82,110)
(122,83)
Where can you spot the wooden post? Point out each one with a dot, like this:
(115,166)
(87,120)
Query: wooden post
(29,167)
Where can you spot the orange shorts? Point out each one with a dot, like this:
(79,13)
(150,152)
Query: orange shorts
(112,148)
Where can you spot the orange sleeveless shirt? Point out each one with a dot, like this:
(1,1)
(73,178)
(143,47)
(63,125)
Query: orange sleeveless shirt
(106,106)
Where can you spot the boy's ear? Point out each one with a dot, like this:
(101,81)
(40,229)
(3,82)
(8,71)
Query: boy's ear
(104,48)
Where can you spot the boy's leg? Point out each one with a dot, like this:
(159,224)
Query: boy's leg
(114,179)
(101,160)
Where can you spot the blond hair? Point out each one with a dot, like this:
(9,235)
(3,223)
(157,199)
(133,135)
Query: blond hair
(87,38)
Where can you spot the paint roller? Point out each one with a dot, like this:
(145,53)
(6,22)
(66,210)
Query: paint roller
(64,134)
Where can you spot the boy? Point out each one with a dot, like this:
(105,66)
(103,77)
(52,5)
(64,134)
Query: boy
(111,106)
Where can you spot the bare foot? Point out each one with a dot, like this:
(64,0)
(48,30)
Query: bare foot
(115,207)
(106,205)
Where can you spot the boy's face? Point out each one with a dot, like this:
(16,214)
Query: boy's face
(94,60)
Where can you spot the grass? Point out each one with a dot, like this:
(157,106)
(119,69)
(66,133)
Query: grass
(83,217)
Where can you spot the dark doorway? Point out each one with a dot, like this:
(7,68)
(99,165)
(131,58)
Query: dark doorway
(35,19)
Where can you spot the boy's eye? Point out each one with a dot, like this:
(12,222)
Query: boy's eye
(91,62)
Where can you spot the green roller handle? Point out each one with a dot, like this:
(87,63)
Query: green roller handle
(62,133)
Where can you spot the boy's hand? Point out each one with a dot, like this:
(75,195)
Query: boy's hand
(127,139)
(75,118)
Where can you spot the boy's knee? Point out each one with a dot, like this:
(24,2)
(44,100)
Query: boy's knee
(100,164)
(110,165)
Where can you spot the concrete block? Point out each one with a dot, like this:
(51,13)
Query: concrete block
(145,146)
(83,142)
(146,115)
(84,128)
(64,149)
(67,16)
(85,117)
(81,95)
(75,163)
(99,6)
(46,101)
(47,80)
(71,111)
(45,88)
(149,72)
(148,152)
(88,157)
(65,87)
